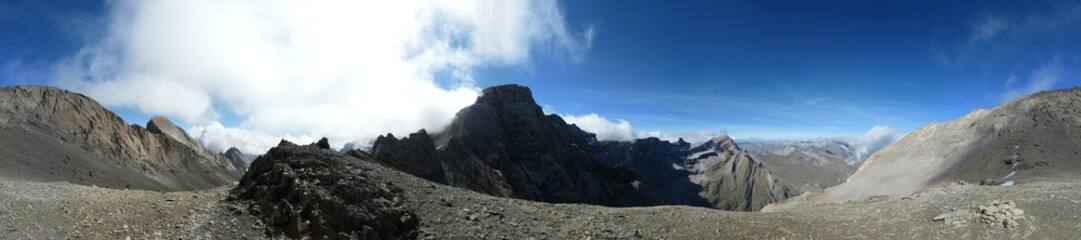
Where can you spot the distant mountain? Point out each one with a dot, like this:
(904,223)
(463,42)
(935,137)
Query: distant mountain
(716,173)
(1028,139)
(49,134)
(810,165)
(237,158)
(504,145)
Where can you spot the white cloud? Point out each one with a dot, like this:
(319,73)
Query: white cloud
(348,70)
(621,130)
(694,137)
(219,138)
(876,138)
(860,147)
(986,29)
(1045,77)
(618,130)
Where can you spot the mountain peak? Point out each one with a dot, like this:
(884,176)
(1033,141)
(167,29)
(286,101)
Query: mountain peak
(162,125)
(510,93)
(722,140)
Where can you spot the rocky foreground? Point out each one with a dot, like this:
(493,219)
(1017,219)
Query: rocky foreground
(956,211)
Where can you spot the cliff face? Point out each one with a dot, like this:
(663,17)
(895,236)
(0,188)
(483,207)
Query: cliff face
(49,134)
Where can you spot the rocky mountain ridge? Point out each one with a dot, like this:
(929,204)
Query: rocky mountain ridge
(504,145)
(49,134)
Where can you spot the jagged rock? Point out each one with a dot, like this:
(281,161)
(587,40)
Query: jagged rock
(310,191)
(415,155)
(323,143)
(237,158)
(45,129)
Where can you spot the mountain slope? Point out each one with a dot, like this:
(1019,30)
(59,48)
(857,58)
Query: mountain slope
(1029,139)
(49,134)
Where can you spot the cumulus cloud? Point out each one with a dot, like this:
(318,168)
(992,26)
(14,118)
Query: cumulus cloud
(876,138)
(348,70)
(695,137)
(1045,77)
(618,130)
(621,130)
(216,136)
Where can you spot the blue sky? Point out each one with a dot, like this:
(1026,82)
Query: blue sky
(752,69)
(799,68)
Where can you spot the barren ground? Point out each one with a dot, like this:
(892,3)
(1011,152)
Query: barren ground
(30,210)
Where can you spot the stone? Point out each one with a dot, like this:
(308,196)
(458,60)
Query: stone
(990,182)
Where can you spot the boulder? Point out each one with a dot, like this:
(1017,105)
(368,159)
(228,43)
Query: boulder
(312,191)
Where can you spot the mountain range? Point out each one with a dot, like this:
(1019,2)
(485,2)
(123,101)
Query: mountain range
(504,145)
(504,169)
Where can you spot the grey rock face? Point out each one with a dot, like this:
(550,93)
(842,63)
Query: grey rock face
(415,155)
(310,191)
(49,134)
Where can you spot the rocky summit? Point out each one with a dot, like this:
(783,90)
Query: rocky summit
(49,134)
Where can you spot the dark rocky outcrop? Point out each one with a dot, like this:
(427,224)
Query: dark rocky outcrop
(415,155)
(311,191)
(49,134)
(237,158)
